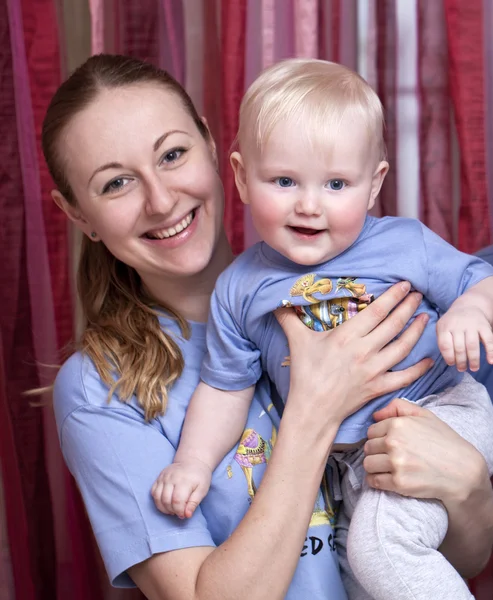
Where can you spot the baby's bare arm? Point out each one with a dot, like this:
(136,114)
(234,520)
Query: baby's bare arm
(479,296)
(213,425)
(214,422)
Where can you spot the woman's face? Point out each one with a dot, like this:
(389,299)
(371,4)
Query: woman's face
(145,181)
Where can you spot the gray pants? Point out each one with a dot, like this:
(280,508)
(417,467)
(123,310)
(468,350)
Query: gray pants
(388,544)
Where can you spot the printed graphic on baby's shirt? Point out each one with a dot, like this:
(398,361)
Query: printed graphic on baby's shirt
(324,315)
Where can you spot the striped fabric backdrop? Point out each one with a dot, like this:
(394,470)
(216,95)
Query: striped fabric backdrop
(431,62)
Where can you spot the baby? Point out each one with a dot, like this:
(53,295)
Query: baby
(310,165)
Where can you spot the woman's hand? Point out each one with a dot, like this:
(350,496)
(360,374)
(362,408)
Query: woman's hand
(346,367)
(412,452)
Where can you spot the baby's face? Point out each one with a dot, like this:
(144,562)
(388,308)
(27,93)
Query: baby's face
(309,202)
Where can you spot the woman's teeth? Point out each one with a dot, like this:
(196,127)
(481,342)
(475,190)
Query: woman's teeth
(172,231)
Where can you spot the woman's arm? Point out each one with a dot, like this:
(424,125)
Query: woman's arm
(260,557)
(412,452)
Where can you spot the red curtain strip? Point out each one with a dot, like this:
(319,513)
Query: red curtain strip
(464,20)
(436,209)
(233,37)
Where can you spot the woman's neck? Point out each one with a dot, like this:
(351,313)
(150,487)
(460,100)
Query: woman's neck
(191,295)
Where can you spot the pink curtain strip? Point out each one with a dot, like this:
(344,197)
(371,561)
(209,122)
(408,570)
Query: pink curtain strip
(193,15)
(172,23)
(348,37)
(284,44)
(39,279)
(306,28)
(268,32)
(96,8)
(253,51)
(325,30)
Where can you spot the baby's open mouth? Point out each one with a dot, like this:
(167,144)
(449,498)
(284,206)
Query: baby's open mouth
(306,230)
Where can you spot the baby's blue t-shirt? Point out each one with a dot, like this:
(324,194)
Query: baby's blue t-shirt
(115,457)
(244,338)
(485,373)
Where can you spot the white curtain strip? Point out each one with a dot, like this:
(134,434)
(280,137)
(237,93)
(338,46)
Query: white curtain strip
(367,41)
(407,110)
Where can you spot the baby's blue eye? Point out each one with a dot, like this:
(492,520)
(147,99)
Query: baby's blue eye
(336,185)
(284,182)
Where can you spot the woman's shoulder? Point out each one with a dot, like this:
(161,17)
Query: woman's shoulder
(78,385)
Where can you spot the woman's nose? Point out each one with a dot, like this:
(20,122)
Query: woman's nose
(160,198)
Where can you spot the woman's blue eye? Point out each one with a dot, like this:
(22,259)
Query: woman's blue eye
(173,155)
(284,182)
(336,185)
(114,186)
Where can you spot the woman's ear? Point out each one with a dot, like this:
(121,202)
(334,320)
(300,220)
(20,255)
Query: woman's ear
(377,180)
(236,161)
(73,213)
(211,143)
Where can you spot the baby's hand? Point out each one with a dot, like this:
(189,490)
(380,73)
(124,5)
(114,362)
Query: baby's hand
(459,333)
(181,487)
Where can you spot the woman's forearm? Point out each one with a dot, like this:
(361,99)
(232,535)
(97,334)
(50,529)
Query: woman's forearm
(264,550)
(469,540)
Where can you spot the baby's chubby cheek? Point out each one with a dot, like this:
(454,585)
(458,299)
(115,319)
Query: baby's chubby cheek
(267,218)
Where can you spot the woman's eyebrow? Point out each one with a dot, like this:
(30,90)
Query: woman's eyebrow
(112,165)
(160,140)
(155,148)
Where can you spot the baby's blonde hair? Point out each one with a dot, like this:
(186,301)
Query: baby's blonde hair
(315,93)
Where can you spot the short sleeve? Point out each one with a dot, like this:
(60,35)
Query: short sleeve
(450,272)
(232,361)
(115,457)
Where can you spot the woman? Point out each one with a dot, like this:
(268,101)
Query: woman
(136,171)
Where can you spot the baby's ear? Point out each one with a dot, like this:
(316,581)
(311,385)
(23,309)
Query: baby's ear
(377,180)
(236,161)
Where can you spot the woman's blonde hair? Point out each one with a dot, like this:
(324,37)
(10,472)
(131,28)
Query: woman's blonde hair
(121,334)
(315,94)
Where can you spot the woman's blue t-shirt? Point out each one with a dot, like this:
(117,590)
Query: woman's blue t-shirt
(115,456)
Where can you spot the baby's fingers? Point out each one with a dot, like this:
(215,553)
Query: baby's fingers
(446,346)
(486,336)
(460,350)
(161,493)
(472,349)
(195,499)
(180,498)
